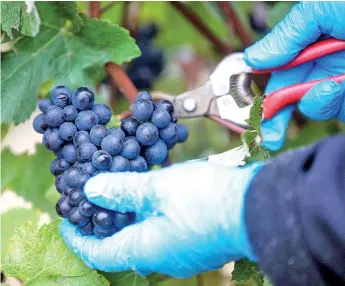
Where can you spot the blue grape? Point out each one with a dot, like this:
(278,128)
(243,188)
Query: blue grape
(100,172)
(143,95)
(101,160)
(87,168)
(62,100)
(119,164)
(81,137)
(86,229)
(69,153)
(129,126)
(43,104)
(131,148)
(138,165)
(53,116)
(51,139)
(62,207)
(87,208)
(73,177)
(97,134)
(182,133)
(67,131)
(76,218)
(165,105)
(160,118)
(122,220)
(75,197)
(39,124)
(173,120)
(67,190)
(104,232)
(157,153)
(58,166)
(60,89)
(142,110)
(147,134)
(85,152)
(69,113)
(169,133)
(83,179)
(112,144)
(170,145)
(59,154)
(60,184)
(118,132)
(102,218)
(83,98)
(103,113)
(86,120)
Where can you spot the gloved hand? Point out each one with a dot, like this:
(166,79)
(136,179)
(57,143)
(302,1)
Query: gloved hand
(191,220)
(305,24)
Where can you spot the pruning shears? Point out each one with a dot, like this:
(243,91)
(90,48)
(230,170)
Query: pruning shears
(227,96)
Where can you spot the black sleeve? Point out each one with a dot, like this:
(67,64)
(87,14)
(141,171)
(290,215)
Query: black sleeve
(295,214)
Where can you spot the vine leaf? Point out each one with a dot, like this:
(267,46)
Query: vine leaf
(244,270)
(69,11)
(63,55)
(42,258)
(267,282)
(29,176)
(30,21)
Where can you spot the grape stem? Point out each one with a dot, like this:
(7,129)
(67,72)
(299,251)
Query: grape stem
(95,9)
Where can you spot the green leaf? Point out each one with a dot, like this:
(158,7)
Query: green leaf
(42,258)
(244,270)
(10,16)
(29,176)
(63,55)
(69,11)
(267,282)
(30,21)
(4,129)
(128,278)
(255,115)
(13,219)
(278,12)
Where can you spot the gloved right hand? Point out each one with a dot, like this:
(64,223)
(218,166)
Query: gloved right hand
(305,24)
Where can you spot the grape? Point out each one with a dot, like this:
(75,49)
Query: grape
(119,164)
(143,77)
(60,184)
(169,133)
(101,160)
(182,133)
(102,218)
(53,116)
(123,219)
(118,132)
(170,145)
(51,139)
(173,119)
(60,89)
(86,120)
(161,118)
(129,126)
(69,113)
(85,152)
(67,190)
(39,124)
(62,207)
(69,153)
(59,154)
(73,177)
(100,172)
(86,208)
(103,113)
(112,144)
(58,166)
(147,134)
(81,137)
(97,134)
(142,109)
(86,229)
(67,131)
(75,197)
(104,232)
(62,100)
(157,153)
(43,104)
(138,165)
(165,105)
(83,179)
(131,148)
(87,168)
(83,98)
(147,32)
(76,218)
(143,95)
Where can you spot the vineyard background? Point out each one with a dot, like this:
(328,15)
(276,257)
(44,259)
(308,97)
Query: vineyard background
(191,51)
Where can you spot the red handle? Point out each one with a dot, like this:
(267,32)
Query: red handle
(312,52)
(279,99)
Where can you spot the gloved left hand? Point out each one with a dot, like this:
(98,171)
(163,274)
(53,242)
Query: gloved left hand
(191,220)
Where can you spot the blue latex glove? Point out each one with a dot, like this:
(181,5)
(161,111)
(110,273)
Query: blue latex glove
(306,23)
(191,220)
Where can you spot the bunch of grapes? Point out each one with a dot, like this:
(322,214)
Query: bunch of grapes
(74,128)
(145,69)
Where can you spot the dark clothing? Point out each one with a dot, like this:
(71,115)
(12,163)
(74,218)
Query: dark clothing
(295,212)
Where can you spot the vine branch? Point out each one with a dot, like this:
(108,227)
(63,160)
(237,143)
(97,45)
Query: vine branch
(95,9)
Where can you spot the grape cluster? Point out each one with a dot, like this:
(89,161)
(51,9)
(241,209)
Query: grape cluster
(74,127)
(146,68)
